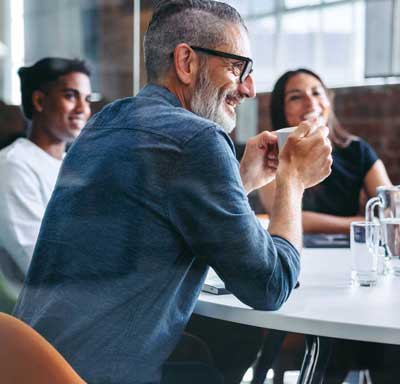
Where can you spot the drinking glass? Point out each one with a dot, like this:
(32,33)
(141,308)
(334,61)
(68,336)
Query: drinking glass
(364,242)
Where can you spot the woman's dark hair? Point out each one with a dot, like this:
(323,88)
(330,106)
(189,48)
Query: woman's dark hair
(338,135)
(44,72)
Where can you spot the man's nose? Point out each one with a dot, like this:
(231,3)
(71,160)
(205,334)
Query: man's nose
(247,88)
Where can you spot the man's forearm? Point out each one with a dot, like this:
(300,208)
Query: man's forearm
(286,211)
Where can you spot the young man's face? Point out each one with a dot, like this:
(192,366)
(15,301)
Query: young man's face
(219,91)
(66,106)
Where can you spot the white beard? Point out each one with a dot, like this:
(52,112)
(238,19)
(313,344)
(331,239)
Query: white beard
(208,103)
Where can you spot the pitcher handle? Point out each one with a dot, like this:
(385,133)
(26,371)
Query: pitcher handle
(370,208)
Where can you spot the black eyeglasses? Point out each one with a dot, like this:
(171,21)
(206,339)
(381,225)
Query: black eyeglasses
(241,71)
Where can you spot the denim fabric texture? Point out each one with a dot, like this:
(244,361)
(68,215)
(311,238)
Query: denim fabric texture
(148,196)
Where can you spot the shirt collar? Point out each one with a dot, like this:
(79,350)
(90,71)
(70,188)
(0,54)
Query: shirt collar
(159,92)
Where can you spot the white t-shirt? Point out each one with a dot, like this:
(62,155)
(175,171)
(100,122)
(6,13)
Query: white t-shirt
(27,179)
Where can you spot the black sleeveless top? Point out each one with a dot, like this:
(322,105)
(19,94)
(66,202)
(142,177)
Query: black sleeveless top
(339,193)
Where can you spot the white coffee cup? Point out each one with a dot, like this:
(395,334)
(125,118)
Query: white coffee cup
(283,134)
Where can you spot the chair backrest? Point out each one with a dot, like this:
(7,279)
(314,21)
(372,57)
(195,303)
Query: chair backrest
(27,358)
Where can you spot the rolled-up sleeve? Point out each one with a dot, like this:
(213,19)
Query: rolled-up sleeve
(209,207)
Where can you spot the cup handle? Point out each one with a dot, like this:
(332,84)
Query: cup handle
(370,208)
(369,216)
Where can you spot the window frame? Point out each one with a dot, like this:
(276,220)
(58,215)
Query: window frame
(358,65)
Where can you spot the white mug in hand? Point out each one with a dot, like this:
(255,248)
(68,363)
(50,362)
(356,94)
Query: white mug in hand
(314,118)
(283,134)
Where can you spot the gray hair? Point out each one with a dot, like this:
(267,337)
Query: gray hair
(194,22)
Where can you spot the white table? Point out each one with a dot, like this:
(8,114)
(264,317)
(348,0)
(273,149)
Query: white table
(325,304)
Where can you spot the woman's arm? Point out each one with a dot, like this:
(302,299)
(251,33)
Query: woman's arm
(314,222)
(375,177)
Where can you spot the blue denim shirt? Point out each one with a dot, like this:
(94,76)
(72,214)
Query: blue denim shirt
(148,196)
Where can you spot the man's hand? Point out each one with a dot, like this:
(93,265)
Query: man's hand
(260,161)
(304,161)
(306,156)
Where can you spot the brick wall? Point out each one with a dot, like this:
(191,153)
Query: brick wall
(115,50)
(13,124)
(371,112)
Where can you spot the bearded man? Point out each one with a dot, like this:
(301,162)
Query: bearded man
(151,194)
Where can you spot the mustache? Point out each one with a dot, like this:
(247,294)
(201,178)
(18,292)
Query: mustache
(233,96)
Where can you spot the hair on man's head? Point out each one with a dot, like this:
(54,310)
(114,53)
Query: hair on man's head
(194,22)
(42,73)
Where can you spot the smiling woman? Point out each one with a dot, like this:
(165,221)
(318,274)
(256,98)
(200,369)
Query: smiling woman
(305,97)
(330,206)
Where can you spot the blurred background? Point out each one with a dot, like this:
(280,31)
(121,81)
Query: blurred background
(353,44)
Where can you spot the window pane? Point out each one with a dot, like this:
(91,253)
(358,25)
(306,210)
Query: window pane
(261,6)
(241,6)
(378,36)
(329,40)
(263,43)
(337,45)
(300,3)
(396,40)
(92,36)
(252,7)
(299,39)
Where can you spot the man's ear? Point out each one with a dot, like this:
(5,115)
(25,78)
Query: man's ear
(38,100)
(186,63)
